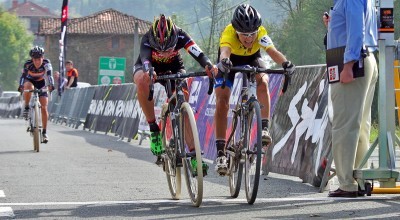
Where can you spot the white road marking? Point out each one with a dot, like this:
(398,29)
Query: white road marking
(6,212)
(158,201)
(2,194)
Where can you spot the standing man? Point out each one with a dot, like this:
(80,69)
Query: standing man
(240,44)
(33,76)
(64,81)
(72,74)
(353,25)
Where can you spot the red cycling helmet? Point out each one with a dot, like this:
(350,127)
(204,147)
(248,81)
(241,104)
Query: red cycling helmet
(163,34)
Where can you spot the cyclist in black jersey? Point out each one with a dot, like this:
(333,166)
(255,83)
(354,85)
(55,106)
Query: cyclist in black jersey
(160,48)
(33,76)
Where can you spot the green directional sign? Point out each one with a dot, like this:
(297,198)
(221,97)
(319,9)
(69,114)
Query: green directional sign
(111,70)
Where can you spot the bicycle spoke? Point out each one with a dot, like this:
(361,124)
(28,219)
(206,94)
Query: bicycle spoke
(253,153)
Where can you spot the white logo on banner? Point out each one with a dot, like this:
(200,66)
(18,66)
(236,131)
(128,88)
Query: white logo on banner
(315,127)
(118,108)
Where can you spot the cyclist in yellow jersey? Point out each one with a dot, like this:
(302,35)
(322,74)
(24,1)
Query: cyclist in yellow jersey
(240,44)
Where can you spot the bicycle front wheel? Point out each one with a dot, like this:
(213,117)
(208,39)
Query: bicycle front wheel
(253,153)
(190,145)
(36,137)
(172,171)
(233,154)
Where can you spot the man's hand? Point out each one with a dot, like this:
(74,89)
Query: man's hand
(50,88)
(225,65)
(211,70)
(346,76)
(289,67)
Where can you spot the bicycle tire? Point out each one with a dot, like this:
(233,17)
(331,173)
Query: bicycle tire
(173,173)
(194,182)
(234,164)
(253,154)
(36,137)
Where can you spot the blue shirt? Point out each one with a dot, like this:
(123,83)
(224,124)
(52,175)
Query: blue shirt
(353,23)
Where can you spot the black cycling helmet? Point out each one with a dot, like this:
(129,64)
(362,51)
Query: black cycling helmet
(246,19)
(36,52)
(163,34)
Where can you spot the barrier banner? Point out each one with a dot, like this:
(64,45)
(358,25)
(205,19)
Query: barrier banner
(10,107)
(114,109)
(128,112)
(301,127)
(204,107)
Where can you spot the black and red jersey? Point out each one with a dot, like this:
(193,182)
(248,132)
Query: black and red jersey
(32,73)
(174,60)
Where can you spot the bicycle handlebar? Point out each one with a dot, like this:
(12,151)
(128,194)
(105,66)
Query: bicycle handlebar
(178,76)
(249,69)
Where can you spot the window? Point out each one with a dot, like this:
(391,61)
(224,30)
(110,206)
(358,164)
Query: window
(115,43)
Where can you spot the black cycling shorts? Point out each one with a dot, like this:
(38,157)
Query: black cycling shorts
(39,85)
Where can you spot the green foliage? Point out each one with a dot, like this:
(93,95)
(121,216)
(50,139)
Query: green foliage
(15,42)
(300,36)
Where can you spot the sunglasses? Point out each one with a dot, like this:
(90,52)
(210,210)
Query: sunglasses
(247,34)
(167,50)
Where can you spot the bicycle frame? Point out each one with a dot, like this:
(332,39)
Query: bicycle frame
(184,149)
(242,149)
(35,117)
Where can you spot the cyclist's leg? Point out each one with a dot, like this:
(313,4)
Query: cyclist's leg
(142,81)
(189,139)
(263,97)
(222,96)
(27,96)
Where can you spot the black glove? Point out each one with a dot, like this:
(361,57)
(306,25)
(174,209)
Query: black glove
(21,89)
(51,88)
(289,67)
(224,65)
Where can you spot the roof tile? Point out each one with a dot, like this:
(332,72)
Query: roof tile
(109,21)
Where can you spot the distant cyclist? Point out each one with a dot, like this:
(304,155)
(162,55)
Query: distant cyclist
(160,49)
(33,76)
(240,44)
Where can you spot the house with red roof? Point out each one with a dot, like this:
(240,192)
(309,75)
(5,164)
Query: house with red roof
(108,33)
(30,13)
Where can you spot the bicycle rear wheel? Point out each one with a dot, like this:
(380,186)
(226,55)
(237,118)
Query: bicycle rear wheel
(172,172)
(253,153)
(234,155)
(190,137)
(36,133)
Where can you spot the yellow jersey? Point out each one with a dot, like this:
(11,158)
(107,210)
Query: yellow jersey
(229,38)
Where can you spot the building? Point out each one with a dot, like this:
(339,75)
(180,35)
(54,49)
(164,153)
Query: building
(107,33)
(30,13)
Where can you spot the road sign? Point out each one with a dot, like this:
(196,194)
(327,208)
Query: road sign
(111,70)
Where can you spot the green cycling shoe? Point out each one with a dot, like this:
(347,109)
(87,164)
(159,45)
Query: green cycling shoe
(156,144)
(193,162)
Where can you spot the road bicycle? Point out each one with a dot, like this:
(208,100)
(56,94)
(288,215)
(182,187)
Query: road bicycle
(244,144)
(35,118)
(178,132)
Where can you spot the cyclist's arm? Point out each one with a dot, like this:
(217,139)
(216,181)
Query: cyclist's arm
(225,52)
(145,53)
(49,73)
(23,76)
(276,56)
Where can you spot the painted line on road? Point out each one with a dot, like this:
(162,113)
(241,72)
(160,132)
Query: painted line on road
(6,212)
(158,201)
(2,194)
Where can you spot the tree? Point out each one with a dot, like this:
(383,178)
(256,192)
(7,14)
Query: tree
(15,42)
(300,37)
